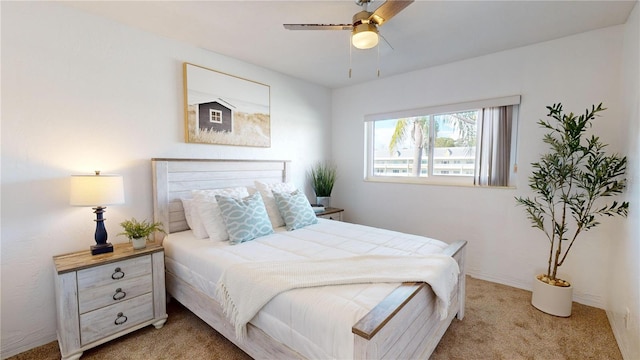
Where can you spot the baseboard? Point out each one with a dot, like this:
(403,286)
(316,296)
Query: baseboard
(9,350)
(499,280)
(618,328)
(578,297)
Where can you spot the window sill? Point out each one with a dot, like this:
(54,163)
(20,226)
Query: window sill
(455,181)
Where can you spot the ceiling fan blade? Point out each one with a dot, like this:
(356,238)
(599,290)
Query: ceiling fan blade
(389,9)
(318,26)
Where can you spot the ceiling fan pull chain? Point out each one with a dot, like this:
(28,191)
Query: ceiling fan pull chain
(378,59)
(350,49)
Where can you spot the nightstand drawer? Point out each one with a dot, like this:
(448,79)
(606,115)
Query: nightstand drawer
(98,324)
(91,299)
(331,214)
(114,272)
(334,216)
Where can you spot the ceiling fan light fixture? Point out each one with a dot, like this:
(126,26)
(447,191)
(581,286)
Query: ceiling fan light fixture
(364,36)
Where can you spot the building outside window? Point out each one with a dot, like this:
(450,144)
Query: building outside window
(436,145)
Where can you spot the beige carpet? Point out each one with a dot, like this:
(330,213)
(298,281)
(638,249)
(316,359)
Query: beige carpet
(499,323)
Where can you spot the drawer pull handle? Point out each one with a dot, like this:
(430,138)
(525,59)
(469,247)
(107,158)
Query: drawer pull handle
(120,319)
(119,295)
(117,274)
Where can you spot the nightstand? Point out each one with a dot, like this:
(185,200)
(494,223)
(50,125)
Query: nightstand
(102,297)
(331,214)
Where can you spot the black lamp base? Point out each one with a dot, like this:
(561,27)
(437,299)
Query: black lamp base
(101,246)
(101,249)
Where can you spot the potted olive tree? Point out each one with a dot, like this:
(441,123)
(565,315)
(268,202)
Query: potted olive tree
(138,231)
(323,177)
(569,183)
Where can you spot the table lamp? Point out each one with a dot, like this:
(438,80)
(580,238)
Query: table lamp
(97,190)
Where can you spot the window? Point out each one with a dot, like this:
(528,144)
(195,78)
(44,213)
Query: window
(215,116)
(451,144)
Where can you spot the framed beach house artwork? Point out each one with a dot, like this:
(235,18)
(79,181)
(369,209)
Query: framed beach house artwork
(225,109)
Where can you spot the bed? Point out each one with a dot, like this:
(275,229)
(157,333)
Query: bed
(403,323)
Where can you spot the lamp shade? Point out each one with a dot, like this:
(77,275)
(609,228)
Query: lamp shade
(364,36)
(96,190)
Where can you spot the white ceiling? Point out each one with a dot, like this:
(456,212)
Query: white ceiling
(427,33)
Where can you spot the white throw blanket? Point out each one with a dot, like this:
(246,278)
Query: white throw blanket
(243,289)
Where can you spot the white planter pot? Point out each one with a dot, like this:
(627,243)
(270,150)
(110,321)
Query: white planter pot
(553,300)
(139,243)
(324,201)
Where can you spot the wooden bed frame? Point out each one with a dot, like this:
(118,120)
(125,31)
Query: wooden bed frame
(404,325)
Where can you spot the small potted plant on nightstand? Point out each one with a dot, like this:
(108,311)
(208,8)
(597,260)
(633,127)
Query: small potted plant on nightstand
(323,176)
(138,231)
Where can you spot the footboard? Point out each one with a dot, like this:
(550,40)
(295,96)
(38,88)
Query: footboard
(406,325)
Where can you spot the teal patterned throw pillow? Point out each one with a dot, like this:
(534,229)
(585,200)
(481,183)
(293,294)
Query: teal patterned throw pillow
(245,219)
(295,209)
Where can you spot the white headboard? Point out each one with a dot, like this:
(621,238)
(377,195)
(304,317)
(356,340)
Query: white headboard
(174,179)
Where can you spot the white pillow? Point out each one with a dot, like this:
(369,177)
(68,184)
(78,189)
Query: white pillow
(186,206)
(266,191)
(193,220)
(209,211)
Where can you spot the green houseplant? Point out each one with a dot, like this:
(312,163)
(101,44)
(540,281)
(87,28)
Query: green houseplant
(323,177)
(138,231)
(569,183)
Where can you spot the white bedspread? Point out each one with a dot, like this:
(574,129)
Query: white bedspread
(292,317)
(245,288)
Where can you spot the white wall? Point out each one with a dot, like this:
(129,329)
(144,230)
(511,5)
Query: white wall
(624,272)
(81,93)
(578,71)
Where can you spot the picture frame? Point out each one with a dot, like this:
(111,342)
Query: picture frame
(224,109)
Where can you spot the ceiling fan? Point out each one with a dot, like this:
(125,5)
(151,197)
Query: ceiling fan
(364,29)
